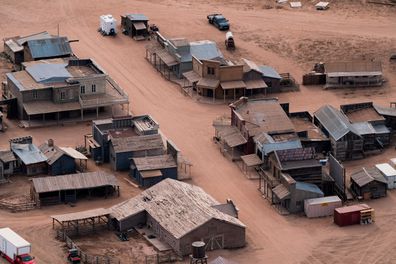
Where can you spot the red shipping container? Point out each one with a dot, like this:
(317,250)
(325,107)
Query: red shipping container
(349,215)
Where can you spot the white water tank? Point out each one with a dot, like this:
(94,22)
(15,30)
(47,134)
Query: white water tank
(108,25)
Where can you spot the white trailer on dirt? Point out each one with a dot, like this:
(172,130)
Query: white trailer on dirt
(14,248)
(108,25)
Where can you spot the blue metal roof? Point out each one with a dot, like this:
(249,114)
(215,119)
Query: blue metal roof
(50,47)
(204,50)
(48,73)
(28,153)
(270,72)
(308,187)
(137,17)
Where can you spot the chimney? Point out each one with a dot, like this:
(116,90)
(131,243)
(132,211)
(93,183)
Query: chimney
(50,142)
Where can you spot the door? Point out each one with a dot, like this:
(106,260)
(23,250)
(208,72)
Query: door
(214,242)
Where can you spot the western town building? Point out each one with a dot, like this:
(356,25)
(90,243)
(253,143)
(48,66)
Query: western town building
(346,142)
(135,26)
(368,183)
(58,161)
(30,160)
(353,74)
(63,89)
(178,214)
(8,164)
(173,57)
(37,46)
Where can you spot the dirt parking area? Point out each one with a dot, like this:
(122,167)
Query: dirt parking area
(287,39)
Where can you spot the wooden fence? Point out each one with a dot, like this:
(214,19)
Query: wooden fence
(162,258)
(17,207)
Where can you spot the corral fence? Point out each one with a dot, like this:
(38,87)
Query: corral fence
(85,257)
(17,207)
(162,258)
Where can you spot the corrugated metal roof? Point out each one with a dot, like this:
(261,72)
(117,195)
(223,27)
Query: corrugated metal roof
(387,111)
(350,67)
(74,181)
(40,35)
(74,153)
(381,129)
(221,260)
(50,47)
(281,192)
(28,153)
(137,143)
(335,122)
(270,72)
(137,17)
(13,238)
(269,144)
(53,153)
(367,175)
(363,128)
(49,73)
(308,187)
(155,162)
(321,200)
(7,156)
(232,85)
(81,215)
(386,169)
(203,50)
(255,84)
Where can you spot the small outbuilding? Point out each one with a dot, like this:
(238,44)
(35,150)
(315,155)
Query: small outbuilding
(368,183)
(150,170)
(30,159)
(135,26)
(59,162)
(7,163)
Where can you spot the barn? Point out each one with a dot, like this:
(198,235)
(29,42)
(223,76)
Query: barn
(178,214)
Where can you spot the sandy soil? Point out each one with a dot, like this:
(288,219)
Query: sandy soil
(289,40)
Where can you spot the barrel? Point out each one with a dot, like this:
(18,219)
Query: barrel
(198,250)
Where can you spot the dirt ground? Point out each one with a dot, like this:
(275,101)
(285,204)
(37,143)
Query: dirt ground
(289,40)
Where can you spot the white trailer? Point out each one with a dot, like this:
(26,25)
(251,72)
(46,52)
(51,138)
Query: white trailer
(108,25)
(324,206)
(12,244)
(389,174)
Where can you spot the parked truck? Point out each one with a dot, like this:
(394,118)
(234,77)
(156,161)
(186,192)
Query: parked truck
(219,21)
(14,248)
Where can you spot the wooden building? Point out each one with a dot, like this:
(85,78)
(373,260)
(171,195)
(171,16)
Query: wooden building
(8,164)
(346,142)
(123,149)
(389,113)
(178,214)
(353,74)
(150,170)
(368,183)
(135,26)
(369,124)
(68,188)
(30,160)
(58,161)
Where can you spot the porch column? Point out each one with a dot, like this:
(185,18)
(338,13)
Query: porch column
(97,112)
(57,118)
(82,114)
(224,95)
(214,94)
(234,93)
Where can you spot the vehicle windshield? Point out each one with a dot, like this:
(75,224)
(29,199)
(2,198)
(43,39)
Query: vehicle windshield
(221,20)
(26,258)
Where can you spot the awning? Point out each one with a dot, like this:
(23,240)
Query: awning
(281,192)
(208,83)
(251,160)
(166,58)
(232,136)
(151,174)
(192,76)
(74,153)
(255,84)
(233,85)
(44,107)
(139,25)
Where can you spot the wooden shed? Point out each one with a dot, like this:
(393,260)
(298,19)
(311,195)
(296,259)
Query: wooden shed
(135,26)
(368,183)
(68,188)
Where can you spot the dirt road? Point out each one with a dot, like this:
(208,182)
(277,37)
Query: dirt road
(276,37)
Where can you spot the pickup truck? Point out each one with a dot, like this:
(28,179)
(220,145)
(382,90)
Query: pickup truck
(219,21)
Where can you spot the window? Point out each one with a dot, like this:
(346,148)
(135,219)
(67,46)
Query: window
(35,94)
(62,95)
(6,165)
(82,89)
(298,203)
(211,70)
(93,88)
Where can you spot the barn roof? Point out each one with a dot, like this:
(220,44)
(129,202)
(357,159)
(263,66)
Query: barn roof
(367,175)
(177,206)
(28,153)
(74,182)
(49,47)
(335,122)
(262,115)
(137,143)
